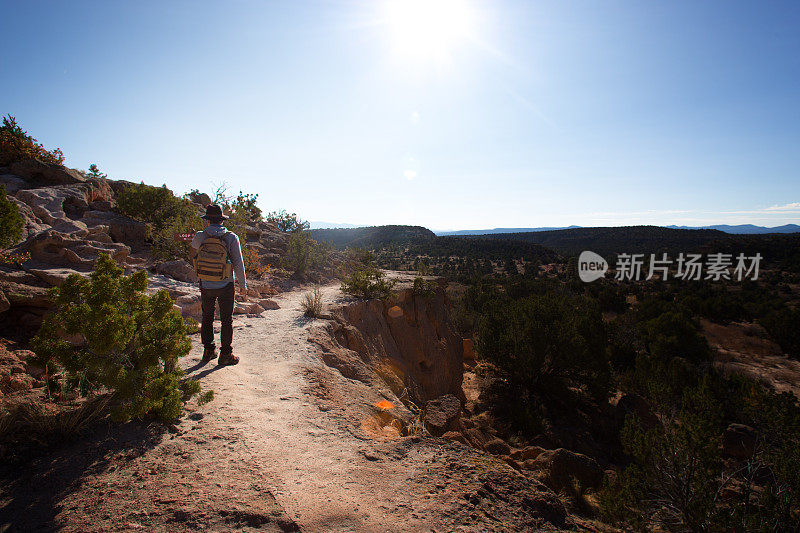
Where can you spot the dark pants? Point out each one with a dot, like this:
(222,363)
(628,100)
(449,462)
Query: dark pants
(226,297)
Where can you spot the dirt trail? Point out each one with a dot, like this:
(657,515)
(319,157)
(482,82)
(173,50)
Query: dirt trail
(278,449)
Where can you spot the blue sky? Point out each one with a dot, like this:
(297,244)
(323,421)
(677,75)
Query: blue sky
(467,114)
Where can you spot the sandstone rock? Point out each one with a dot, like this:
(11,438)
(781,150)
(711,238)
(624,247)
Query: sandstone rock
(53,276)
(455,436)
(422,344)
(19,295)
(469,350)
(739,441)
(41,173)
(56,248)
(12,183)
(441,414)
(101,205)
(268,304)
(497,447)
(511,462)
(121,228)
(179,269)
(247,308)
(633,404)
(190,305)
(527,453)
(566,471)
(32,223)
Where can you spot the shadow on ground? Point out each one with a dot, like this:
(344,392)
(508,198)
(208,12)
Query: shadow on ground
(35,482)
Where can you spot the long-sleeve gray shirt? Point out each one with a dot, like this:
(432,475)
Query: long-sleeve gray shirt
(234,255)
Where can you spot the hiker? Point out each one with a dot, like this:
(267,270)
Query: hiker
(217,255)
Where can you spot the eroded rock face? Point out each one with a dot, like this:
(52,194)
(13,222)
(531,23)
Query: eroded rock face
(121,228)
(77,250)
(41,173)
(414,345)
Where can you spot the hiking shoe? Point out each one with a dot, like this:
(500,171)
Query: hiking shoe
(209,354)
(227,359)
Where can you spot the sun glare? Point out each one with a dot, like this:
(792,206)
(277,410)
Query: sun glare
(429,29)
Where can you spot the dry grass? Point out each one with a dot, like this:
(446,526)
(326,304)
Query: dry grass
(312,303)
(34,422)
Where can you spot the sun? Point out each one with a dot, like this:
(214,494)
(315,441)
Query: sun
(429,29)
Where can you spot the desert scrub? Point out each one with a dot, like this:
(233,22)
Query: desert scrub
(287,221)
(425,287)
(165,214)
(16,145)
(362,279)
(10,220)
(312,303)
(123,341)
(304,254)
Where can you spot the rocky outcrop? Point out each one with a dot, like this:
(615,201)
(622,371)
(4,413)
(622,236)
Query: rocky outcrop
(78,250)
(408,340)
(41,174)
(121,228)
(179,269)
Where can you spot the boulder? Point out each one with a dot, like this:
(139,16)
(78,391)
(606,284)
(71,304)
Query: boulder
(269,304)
(20,295)
(527,453)
(247,308)
(51,204)
(190,305)
(41,173)
(120,227)
(179,269)
(101,205)
(566,471)
(497,447)
(455,436)
(441,414)
(739,441)
(633,404)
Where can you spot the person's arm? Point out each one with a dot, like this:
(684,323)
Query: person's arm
(238,262)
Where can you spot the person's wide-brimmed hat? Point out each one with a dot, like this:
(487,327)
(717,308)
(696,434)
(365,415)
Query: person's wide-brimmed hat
(214,211)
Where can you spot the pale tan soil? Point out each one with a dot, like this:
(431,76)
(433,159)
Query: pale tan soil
(743,348)
(288,444)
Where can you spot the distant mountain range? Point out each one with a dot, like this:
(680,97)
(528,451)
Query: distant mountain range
(746,229)
(741,229)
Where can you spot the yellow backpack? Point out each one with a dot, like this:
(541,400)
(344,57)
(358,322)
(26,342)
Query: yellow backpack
(211,262)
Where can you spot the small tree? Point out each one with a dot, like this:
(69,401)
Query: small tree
(362,278)
(129,342)
(94,172)
(11,222)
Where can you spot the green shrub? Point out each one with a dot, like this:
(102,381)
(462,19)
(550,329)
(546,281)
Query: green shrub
(11,222)
(304,254)
(362,279)
(94,172)
(542,341)
(674,334)
(130,342)
(165,214)
(425,287)
(16,145)
(287,221)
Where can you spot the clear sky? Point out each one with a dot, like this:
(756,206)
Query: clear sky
(451,114)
